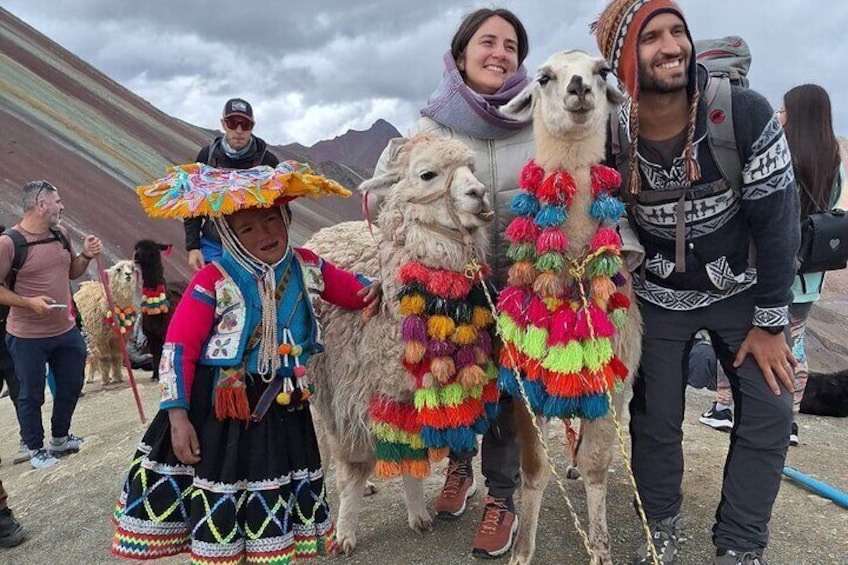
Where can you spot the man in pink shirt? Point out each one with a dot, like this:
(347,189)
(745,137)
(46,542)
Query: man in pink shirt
(39,329)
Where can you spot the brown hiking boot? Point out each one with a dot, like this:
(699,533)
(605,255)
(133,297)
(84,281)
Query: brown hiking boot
(497,530)
(459,487)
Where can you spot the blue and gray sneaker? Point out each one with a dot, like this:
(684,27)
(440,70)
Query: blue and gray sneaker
(42,459)
(666,537)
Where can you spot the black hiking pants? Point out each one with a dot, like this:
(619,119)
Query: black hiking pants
(761,421)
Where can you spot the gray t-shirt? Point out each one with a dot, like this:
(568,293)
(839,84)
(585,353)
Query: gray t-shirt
(665,151)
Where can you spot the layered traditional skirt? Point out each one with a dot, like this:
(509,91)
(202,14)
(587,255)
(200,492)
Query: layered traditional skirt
(257,494)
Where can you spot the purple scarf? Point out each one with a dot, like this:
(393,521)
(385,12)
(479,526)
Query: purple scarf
(455,105)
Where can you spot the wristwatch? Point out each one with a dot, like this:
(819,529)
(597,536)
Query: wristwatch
(773,330)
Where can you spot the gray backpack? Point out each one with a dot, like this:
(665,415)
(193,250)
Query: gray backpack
(725,57)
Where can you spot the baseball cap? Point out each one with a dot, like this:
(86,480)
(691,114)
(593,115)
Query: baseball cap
(238,107)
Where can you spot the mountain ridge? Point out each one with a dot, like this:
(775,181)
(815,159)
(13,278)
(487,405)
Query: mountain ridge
(67,122)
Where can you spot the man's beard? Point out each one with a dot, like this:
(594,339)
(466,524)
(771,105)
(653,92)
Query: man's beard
(650,82)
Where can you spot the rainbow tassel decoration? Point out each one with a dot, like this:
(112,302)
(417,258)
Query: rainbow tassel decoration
(399,448)
(448,353)
(557,332)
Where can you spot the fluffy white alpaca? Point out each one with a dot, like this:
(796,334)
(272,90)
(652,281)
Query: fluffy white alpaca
(433,213)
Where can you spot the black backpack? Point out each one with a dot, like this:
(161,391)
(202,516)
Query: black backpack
(21,246)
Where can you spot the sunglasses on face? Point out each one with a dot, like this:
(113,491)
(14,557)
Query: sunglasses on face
(235,123)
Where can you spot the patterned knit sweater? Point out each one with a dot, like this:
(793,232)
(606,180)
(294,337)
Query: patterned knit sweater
(719,223)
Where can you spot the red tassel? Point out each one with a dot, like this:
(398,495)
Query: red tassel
(231,402)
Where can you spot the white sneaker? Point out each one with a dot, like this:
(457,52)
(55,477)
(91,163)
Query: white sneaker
(41,459)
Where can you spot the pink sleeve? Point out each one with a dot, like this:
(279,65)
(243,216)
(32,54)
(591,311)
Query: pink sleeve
(340,286)
(189,329)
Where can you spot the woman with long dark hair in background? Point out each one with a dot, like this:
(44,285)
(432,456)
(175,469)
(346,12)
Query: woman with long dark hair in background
(808,123)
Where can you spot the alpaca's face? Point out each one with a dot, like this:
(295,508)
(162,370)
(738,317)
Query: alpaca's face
(441,182)
(570,95)
(122,272)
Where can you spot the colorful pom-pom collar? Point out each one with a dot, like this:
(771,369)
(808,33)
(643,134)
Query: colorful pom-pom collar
(561,310)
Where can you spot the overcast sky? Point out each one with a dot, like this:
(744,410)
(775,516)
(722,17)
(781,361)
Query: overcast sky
(315,68)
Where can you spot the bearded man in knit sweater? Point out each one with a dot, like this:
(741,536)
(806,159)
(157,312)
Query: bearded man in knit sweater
(717,258)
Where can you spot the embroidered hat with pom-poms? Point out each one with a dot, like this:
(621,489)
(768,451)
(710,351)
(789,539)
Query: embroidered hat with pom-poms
(617,32)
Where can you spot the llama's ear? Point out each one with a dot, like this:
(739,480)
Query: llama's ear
(386,175)
(165,248)
(521,107)
(614,95)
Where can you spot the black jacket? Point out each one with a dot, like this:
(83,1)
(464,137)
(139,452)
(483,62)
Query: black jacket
(213,154)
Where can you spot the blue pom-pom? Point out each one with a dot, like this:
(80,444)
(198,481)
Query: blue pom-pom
(524,204)
(506,380)
(480,425)
(593,406)
(551,216)
(433,437)
(493,409)
(536,395)
(462,438)
(560,407)
(606,208)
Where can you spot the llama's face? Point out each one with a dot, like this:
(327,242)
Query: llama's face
(570,95)
(440,179)
(122,272)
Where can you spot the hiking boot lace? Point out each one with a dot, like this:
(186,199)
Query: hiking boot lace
(456,473)
(495,507)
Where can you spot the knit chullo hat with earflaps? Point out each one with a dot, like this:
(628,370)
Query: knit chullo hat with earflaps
(617,31)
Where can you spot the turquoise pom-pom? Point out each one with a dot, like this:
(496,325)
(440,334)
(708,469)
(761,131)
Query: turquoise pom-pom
(607,208)
(551,216)
(524,204)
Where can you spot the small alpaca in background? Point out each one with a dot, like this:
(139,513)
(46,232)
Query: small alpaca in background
(157,300)
(105,351)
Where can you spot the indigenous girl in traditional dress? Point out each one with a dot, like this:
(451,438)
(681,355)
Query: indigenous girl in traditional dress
(229,469)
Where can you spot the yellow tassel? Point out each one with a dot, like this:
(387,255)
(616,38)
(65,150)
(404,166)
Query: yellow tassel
(412,305)
(440,327)
(552,303)
(481,317)
(465,335)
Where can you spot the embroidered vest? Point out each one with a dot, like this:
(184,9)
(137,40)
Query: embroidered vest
(235,322)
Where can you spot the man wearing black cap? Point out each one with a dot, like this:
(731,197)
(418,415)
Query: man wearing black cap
(237,149)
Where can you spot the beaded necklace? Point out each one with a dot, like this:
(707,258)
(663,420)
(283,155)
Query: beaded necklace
(561,309)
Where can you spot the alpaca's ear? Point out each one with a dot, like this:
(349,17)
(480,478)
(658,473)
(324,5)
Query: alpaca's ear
(521,107)
(386,174)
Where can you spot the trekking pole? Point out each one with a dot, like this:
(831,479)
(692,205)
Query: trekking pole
(116,327)
(818,487)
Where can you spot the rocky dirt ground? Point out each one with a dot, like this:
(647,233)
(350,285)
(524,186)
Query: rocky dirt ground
(66,509)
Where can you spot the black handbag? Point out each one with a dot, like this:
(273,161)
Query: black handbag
(824,240)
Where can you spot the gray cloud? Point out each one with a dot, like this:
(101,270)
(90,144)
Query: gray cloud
(314,69)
